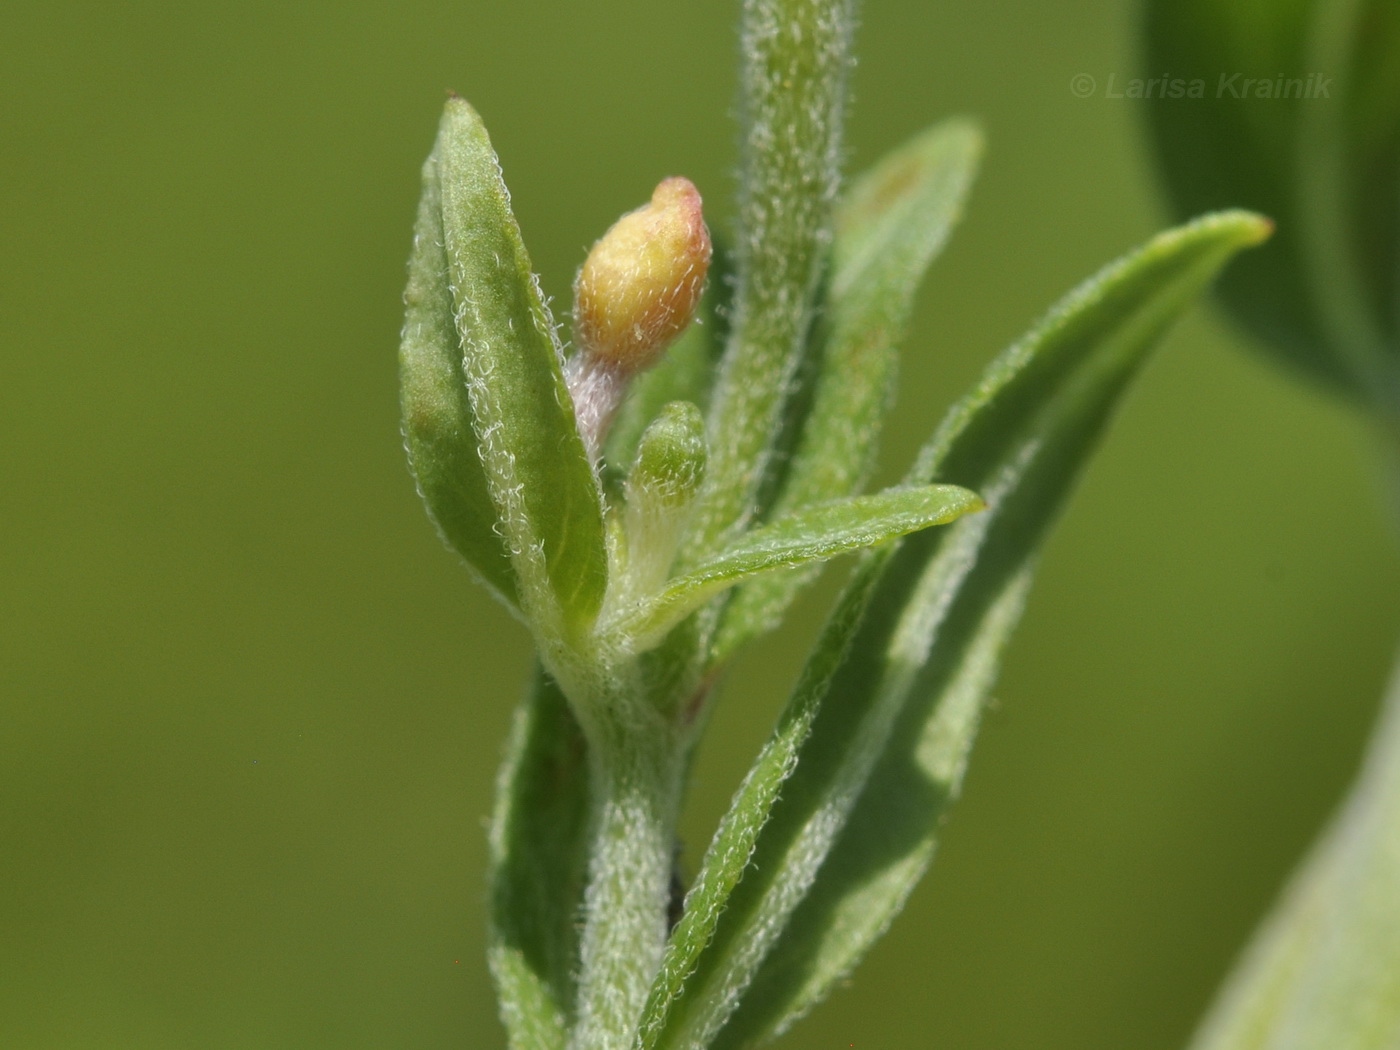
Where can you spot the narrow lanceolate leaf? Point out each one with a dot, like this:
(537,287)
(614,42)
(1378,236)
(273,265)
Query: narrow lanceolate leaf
(811,535)
(520,419)
(1325,969)
(539,862)
(837,820)
(437,415)
(795,61)
(893,222)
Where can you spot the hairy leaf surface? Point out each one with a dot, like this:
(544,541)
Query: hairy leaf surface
(811,535)
(889,227)
(539,862)
(496,391)
(837,820)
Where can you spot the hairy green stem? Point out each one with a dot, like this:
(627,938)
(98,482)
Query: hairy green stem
(635,785)
(796,57)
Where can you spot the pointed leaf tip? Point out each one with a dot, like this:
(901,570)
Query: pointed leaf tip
(810,535)
(838,819)
(487,416)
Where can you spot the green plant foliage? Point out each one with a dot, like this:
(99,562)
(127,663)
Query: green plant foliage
(539,862)
(795,62)
(671,456)
(836,820)
(1325,969)
(814,534)
(491,386)
(624,575)
(437,414)
(684,375)
(1305,121)
(660,496)
(889,227)
(1300,119)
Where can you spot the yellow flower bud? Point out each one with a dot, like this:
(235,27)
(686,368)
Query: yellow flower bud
(639,287)
(636,293)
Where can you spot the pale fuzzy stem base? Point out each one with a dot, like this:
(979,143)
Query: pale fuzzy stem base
(636,785)
(597,392)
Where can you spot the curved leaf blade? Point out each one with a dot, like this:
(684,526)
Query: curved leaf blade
(826,838)
(812,535)
(437,416)
(1298,115)
(1220,150)
(539,476)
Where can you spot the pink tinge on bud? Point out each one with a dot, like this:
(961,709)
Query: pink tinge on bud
(639,287)
(635,294)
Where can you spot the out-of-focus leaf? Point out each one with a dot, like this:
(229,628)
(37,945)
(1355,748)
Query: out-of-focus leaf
(539,862)
(1325,969)
(519,420)
(890,226)
(837,820)
(1295,111)
(810,535)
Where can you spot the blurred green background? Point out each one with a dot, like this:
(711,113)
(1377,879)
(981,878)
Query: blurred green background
(250,709)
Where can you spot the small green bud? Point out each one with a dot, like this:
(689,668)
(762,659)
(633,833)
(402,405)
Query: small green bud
(671,456)
(661,490)
(635,294)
